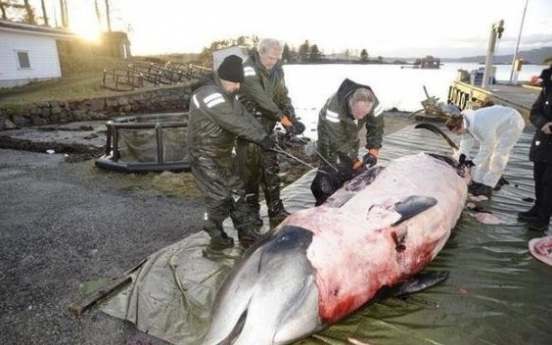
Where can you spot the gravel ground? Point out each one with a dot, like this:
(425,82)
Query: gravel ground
(61,227)
(66,223)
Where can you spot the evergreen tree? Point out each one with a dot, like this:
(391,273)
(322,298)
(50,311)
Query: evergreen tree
(304,51)
(249,42)
(4,5)
(364,55)
(18,11)
(314,53)
(30,17)
(286,54)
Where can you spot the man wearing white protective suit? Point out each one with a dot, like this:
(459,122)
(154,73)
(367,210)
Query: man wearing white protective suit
(497,128)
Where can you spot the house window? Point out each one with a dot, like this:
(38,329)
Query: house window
(23,59)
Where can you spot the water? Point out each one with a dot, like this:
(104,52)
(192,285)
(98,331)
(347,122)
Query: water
(396,87)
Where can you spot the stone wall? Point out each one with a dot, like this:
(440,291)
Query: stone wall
(166,99)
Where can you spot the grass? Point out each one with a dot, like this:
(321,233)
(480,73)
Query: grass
(75,87)
(178,185)
(82,75)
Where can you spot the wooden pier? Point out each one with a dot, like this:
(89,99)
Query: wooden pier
(520,97)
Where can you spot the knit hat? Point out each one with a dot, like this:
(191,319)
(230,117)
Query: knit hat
(231,69)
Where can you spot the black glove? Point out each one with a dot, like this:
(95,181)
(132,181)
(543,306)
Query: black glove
(345,172)
(267,143)
(369,160)
(298,128)
(462,161)
(502,181)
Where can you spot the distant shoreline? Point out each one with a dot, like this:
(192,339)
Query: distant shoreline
(371,62)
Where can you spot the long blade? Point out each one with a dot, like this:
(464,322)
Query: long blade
(281,151)
(318,154)
(437,131)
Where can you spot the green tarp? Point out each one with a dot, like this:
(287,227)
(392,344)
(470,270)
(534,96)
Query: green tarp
(497,293)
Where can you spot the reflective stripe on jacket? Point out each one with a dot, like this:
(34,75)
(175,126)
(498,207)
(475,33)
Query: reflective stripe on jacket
(216,119)
(338,130)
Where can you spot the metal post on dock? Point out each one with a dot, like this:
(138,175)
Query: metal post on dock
(517,45)
(496,32)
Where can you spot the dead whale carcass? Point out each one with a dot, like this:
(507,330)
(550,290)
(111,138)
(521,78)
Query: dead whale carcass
(323,263)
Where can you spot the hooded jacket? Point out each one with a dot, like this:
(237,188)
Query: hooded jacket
(338,130)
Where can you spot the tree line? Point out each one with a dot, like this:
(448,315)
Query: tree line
(22,11)
(305,53)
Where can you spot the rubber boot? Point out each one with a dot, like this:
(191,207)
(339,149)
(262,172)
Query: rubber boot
(249,236)
(540,223)
(219,237)
(252,202)
(501,182)
(277,214)
(529,215)
(473,187)
(482,189)
(257,221)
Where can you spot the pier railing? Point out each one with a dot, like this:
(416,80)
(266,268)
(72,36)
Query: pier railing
(140,75)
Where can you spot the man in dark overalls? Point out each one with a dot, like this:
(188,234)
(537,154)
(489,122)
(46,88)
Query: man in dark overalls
(265,95)
(216,119)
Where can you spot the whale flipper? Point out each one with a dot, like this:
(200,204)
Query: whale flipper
(412,206)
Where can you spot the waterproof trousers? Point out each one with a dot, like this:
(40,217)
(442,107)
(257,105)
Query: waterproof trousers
(542,173)
(224,195)
(323,146)
(259,169)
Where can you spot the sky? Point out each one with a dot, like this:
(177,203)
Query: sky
(387,28)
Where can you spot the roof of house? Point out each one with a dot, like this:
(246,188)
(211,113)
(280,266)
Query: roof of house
(9,26)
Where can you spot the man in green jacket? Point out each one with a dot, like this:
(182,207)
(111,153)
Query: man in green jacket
(265,94)
(216,119)
(345,113)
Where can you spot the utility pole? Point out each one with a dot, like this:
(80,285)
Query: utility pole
(517,44)
(496,32)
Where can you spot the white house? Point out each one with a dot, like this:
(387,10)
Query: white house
(220,54)
(28,53)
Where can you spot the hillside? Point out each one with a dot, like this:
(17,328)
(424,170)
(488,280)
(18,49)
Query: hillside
(534,56)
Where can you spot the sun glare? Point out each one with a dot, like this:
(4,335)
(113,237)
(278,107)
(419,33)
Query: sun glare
(86,28)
